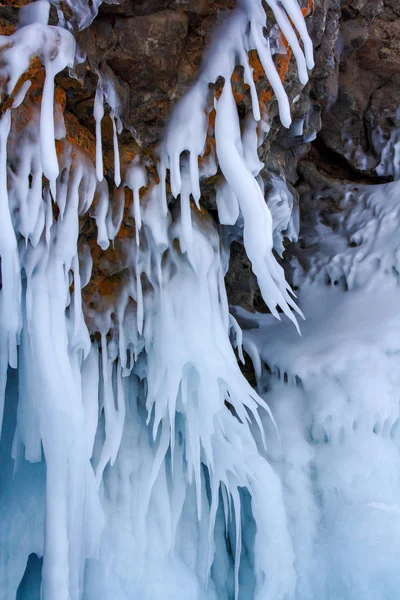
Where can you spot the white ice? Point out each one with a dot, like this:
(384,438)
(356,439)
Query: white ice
(137,461)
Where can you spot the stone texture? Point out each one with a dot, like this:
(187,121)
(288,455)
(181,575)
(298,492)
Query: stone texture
(366,82)
(156,48)
(152,50)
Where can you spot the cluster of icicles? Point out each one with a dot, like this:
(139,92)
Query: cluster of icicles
(131,477)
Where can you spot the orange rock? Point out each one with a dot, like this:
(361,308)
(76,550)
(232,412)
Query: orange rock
(15,3)
(80,136)
(307,10)
(6,28)
(108,266)
(110,284)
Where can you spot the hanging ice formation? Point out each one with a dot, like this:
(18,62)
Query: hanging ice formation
(133,463)
(335,395)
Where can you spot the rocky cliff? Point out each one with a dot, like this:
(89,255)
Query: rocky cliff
(346,120)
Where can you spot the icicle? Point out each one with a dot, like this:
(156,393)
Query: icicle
(10,290)
(238,541)
(187,130)
(250,145)
(293,9)
(107,86)
(85,265)
(115,213)
(164,418)
(264,52)
(84,11)
(139,297)
(284,212)
(100,215)
(47,145)
(257,233)
(37,12)
(98,116)
(135,179)
(155,218)
(186,235)
(117,169)
(290,35)
(239,337)
(227,205)
(56,47)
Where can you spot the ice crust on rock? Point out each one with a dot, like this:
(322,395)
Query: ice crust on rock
(187,130)
(139,462)
(83,11)
(136,461)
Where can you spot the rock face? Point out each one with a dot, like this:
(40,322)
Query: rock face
(360,119)
(145,52)
(355,84)
(153,50)
(345,121)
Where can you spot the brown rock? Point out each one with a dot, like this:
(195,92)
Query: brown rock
(367,84)
(149,48)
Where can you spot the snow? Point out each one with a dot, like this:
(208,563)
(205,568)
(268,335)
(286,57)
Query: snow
(334,395)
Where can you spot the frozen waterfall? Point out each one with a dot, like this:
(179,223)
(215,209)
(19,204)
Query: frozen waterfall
(136,460)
